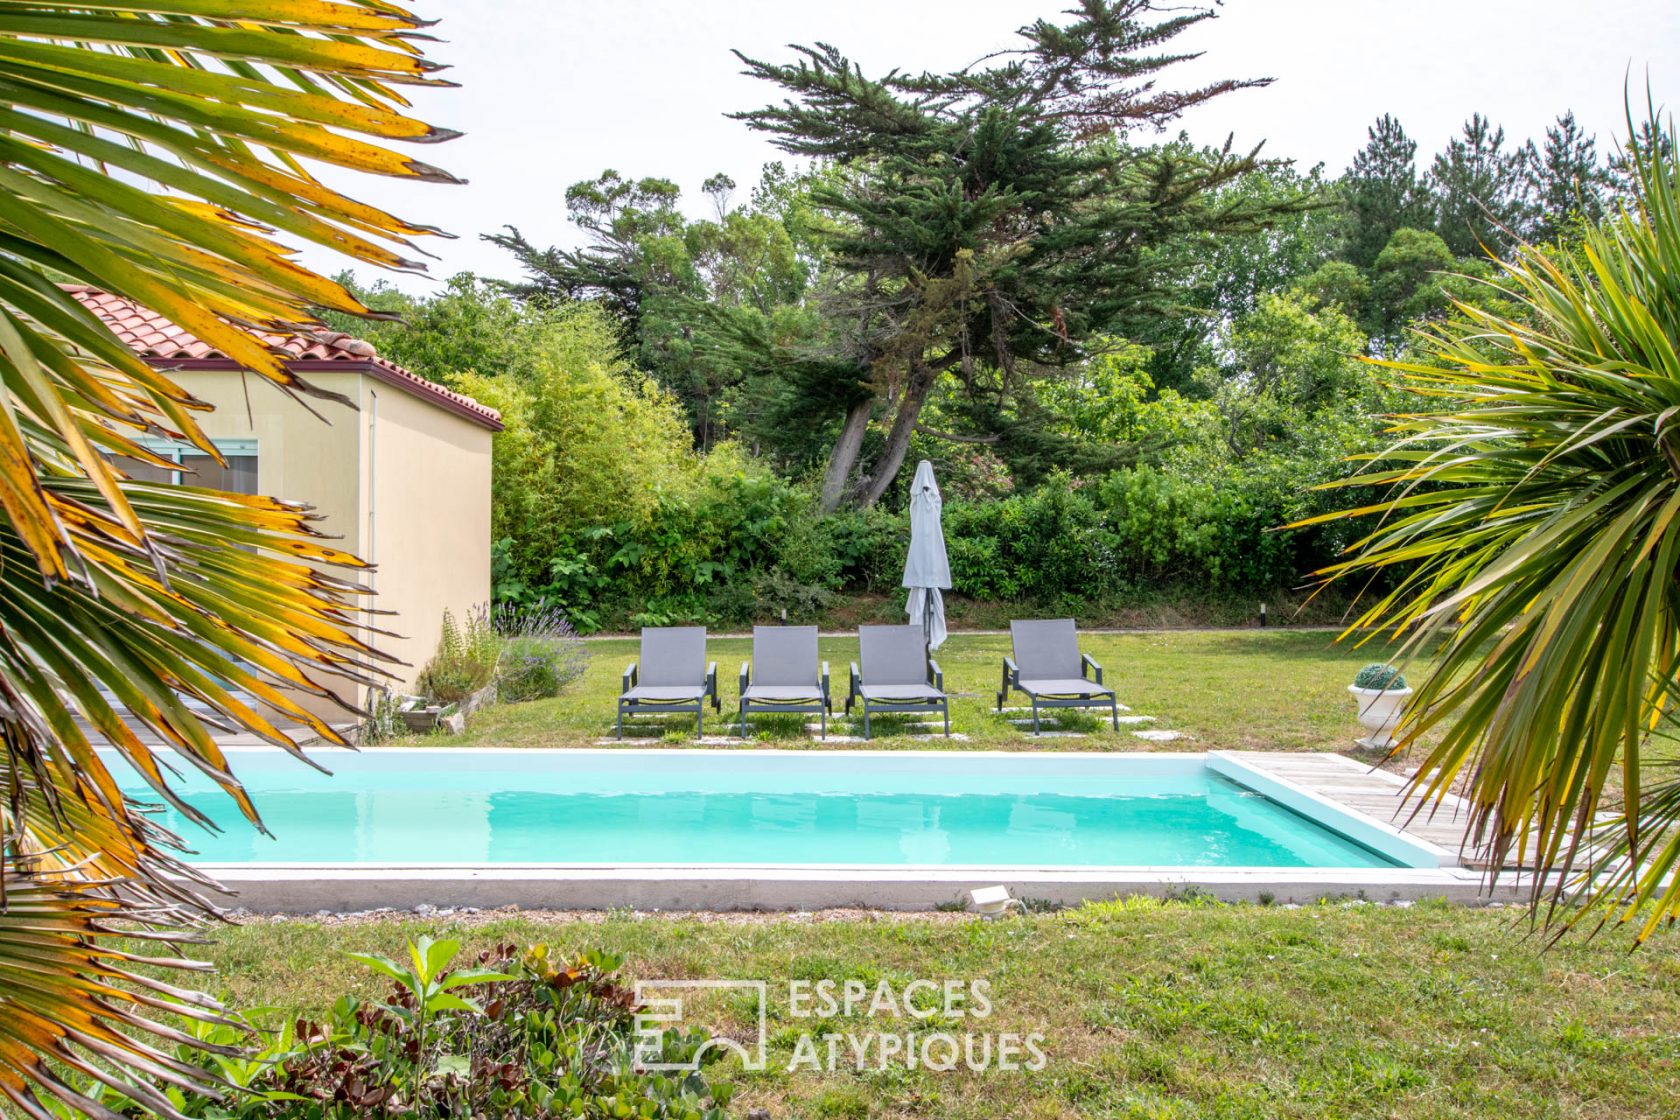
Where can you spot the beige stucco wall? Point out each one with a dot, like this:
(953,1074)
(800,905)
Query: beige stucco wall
(398,480)
(429,535)
(299,457)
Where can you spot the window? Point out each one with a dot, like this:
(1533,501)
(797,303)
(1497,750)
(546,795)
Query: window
(197,468)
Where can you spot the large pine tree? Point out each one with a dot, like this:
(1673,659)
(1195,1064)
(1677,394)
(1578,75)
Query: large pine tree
(990,221)
(1382,192)
(1566,181)
(1480,189)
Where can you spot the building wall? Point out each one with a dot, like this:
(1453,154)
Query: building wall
(299,457)
(398,481)
(428,526)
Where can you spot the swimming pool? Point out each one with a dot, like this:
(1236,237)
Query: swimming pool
(811,808)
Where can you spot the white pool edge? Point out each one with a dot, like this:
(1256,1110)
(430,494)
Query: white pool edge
(350,890)
(1379,836)
(1426,871)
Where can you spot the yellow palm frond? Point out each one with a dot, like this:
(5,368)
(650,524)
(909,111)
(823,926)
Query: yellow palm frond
(159,151)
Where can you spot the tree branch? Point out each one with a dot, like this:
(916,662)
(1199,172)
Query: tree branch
(954,438)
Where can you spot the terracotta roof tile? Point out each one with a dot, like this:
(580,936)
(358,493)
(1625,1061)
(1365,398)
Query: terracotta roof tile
(153,337)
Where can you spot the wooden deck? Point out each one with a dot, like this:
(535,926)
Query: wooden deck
(1376,793)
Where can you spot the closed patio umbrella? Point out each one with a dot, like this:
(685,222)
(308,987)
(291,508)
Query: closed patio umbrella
(926,569)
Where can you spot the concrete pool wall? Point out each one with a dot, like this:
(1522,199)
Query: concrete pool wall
(561,887)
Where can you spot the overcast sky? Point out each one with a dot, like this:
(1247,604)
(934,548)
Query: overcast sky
(554,91)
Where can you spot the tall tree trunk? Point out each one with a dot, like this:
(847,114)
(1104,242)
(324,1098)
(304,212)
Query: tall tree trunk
(844,456)
(922,377)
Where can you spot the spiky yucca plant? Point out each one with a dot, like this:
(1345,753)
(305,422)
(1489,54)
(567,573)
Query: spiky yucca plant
(152,150)
(1534,529)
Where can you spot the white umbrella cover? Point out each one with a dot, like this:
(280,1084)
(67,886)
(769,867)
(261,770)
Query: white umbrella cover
(926,568)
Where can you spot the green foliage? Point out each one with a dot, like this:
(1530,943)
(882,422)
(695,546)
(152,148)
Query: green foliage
(1480,189)
(735,544)
(1567,182)
(982,225)
(465,660)
(658,273)
(1153,419)
(721,538)
(1336,284)
(464,327)
(383,721)
(584,434)
(1408,282)
(1534,520)
(1407,241)
(1136,529)
(520,1033)
(1379,677)
(1221,277)
(540,652)
(1284,362)
(745,545)
(1381,193)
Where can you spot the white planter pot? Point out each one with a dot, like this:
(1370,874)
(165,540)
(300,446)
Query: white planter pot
(1379,713)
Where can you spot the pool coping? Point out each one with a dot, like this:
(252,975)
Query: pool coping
(1378,835)
(1430,871)
(301,890)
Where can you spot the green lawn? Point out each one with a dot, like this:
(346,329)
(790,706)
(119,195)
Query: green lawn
(1230,689)
(1148,1009)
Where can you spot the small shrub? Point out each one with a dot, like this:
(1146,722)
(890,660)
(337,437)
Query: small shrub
(465,660)
(1379,677)
(540,653)
(521,1033)
(384,718)
(764,596)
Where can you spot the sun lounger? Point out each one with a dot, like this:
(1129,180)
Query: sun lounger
(785,675)
(1049,669)
(894,673)
(672,676)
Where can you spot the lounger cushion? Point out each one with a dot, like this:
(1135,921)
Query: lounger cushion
(1068,686)
(664,694)
(782,694)
(785,656)
(893,655)
(1046,649)
(901,693)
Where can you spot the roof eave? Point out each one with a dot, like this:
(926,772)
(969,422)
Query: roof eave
(417,387)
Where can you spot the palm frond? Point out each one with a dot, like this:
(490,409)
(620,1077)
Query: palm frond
(1533,540)
(160,151)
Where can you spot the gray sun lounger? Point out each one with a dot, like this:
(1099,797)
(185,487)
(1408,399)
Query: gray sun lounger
(893,673)
(672,676)
(784,674)
(1049,669)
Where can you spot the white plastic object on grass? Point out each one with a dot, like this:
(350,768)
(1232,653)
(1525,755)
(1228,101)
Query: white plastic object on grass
(992,902)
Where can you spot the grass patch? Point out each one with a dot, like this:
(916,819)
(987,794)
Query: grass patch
(1240,690)
(1149,1009)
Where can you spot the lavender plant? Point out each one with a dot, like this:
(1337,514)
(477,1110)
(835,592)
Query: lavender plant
(540,652)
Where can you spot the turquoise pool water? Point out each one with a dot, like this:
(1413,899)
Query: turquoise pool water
(753,807)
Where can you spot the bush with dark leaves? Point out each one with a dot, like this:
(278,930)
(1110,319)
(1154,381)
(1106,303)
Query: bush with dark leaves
(523,1033)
